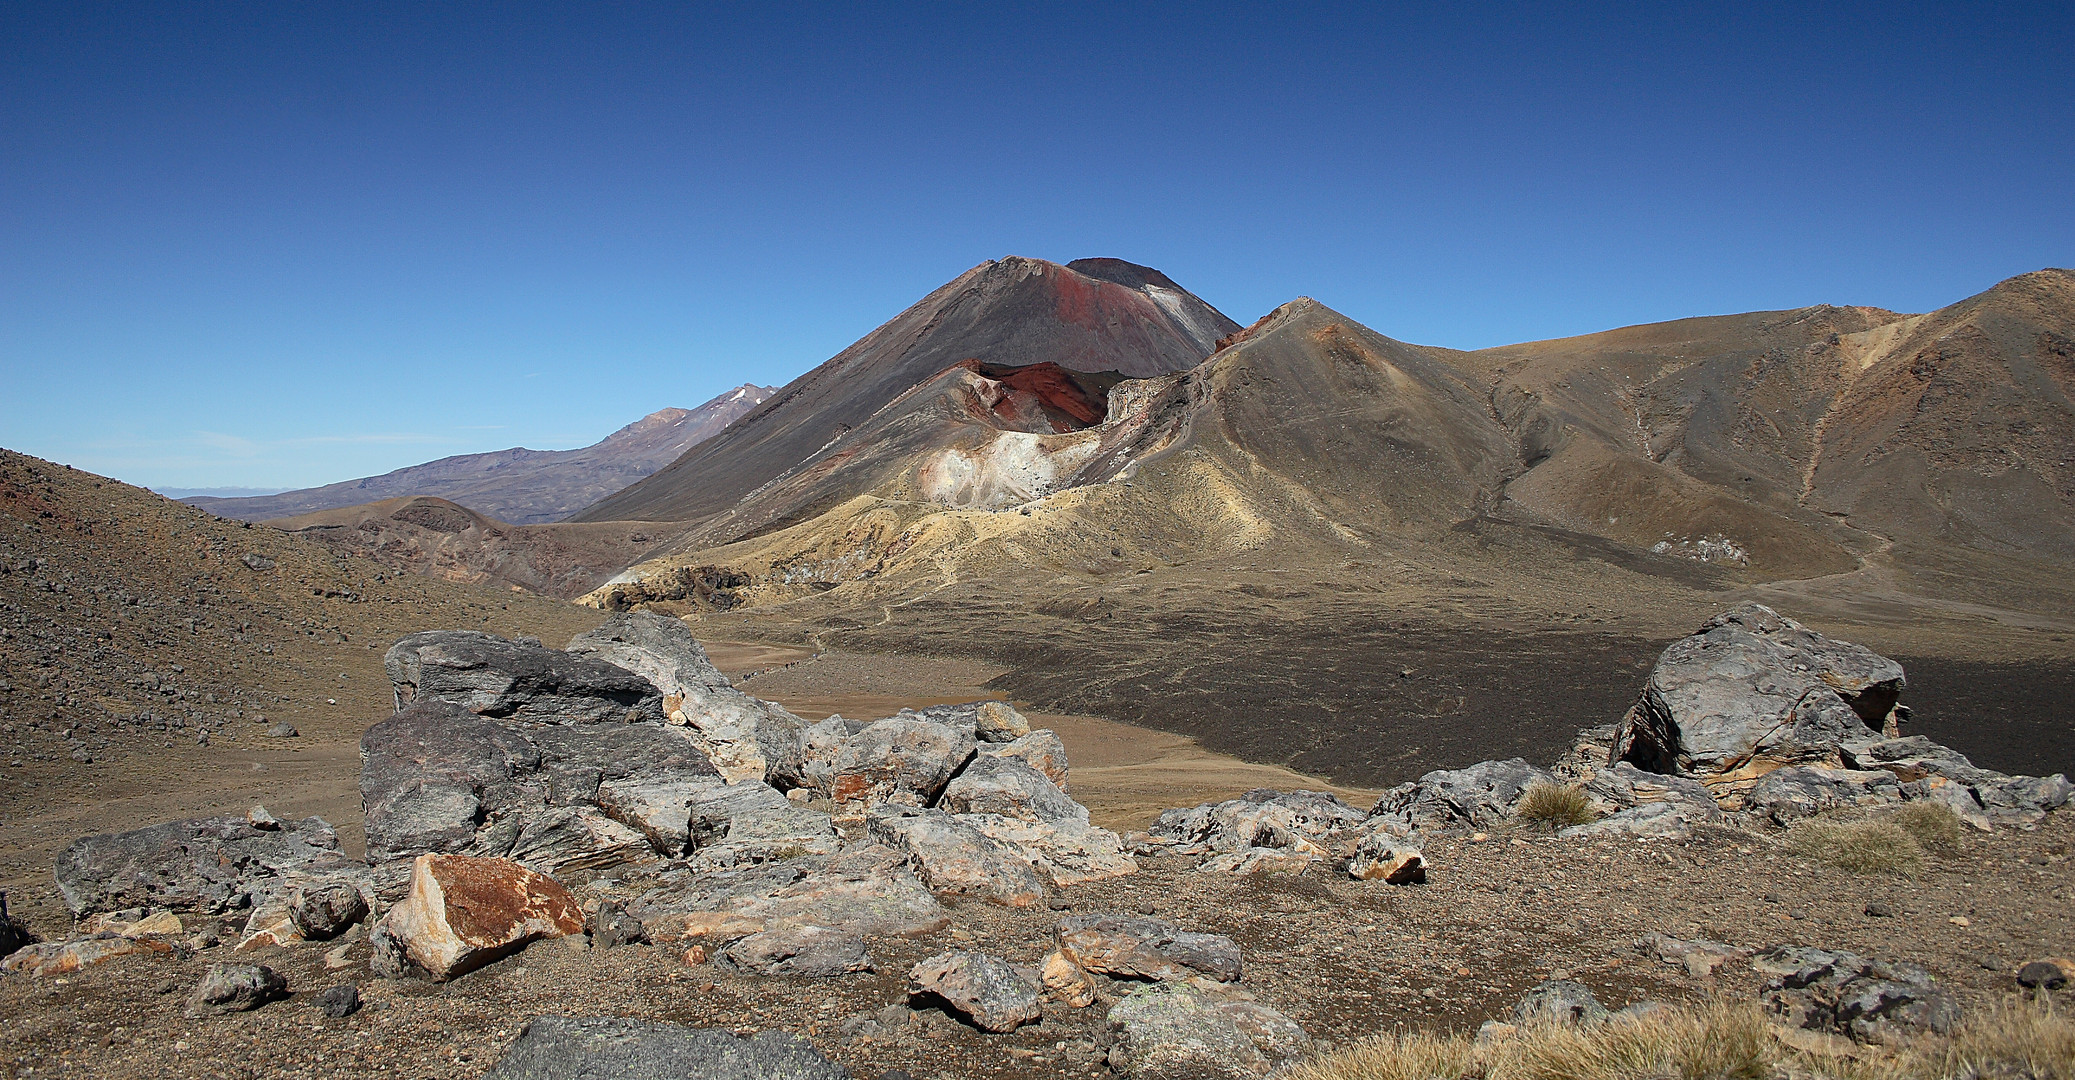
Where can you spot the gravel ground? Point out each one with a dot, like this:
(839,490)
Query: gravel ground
(1343,958)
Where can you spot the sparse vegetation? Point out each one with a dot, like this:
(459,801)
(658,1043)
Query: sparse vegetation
(1867,846)
(1933,825)
(1715,1041)
(1555,805)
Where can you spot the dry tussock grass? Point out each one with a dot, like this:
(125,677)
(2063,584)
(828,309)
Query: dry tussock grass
(1714,1041)
(1933,825)
(1861,847)
(1554,805)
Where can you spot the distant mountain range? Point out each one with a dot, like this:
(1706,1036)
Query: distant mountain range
(519,486)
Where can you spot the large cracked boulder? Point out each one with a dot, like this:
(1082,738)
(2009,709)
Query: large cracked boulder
(207,865)
(582,1048)
(462,913)
(953,855)
(522,680)
(1009,787)
(899,761)
(1870,1001)
(438,778)
(1752,691)
(1478,796)
(1201,1031)
(1042,750)
(983,989)
(746,737)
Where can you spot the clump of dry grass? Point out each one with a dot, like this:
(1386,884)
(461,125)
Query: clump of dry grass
(1861,847)
(1717,1041)
(1714,1041)
(1933,825)
(1554,805)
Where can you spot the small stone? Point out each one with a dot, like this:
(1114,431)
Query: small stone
(1960,920)
(235,988)
(612,927)
(1560,1002)
(807,951)
(260,819)
(326,909)
(283,730)
(1065,980)
(1876,909)
(696,955)
(2052,973)
(340,1001)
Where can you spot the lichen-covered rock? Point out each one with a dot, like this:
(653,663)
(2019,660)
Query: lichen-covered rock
(952,855)
(437,778)
(1388,852)
(753,822)
(1752,691)
(1010,787)
(519,680)
(1134,947)
(808,951)
(236,988)
(1478,796)
(208,865)
(1868,1000)
(1066,981)
(1065,852)
(746,737)
(1196,1031)
(898,761)
(867,890)
(985,990)
(1559,1002)
(65,957)
(1041,749)
(462,913)
(582,1048)
(1306,825)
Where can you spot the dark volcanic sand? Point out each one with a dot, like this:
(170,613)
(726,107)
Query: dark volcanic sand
(2014,718)
(1330,698)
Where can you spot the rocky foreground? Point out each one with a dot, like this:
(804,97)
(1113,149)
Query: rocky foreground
(607,860)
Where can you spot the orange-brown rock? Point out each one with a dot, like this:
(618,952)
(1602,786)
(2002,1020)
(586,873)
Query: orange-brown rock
(465,912)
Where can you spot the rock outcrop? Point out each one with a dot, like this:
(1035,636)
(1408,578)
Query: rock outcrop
(1477,796)
(522,680)
(868,890)
(1752,691)
(1870,1001)
(1201,1031)
(747,738)
(438,778)
(207,865)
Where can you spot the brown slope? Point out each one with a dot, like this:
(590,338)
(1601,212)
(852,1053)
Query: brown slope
(1962,429)
(131,625)
(445,540)
(1091,315)
(521,486)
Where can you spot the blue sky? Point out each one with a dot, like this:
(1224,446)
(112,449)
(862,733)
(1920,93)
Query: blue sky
(285,244)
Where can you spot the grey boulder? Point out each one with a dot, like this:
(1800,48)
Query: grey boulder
(1194,1031)
(981,988)
(900,761)
(437,778)
(1752,690)
(953,855)
(519,680)
(1478,796)
(1009,787)
(235,988)
(746,737)
(1868,1000)
(1559,1002)
(209,865)
(809,951)
(1308,824)
(1135,947)
(613,1048)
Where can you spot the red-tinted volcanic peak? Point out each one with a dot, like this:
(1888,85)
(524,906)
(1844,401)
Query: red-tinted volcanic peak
(1092,316)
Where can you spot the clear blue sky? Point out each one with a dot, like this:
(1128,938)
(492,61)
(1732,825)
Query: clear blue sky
(284,244)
